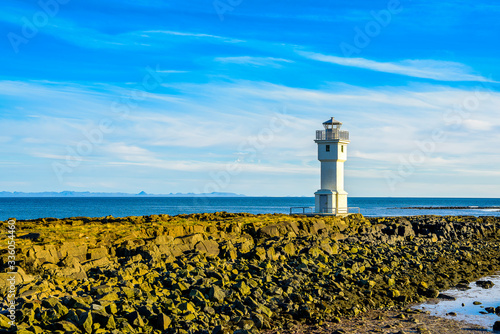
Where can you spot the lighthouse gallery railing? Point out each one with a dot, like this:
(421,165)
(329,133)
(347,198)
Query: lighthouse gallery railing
(334,134)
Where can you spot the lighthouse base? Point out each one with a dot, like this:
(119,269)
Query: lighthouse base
(331,202)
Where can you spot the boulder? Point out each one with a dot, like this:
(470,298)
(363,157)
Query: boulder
(485,284)
(97,253)
(163,322)
(191,239)
(269,231)
(85,322)
(66,326)
(209,247)
(216,294)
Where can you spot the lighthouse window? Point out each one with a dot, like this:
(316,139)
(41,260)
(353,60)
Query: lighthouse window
(328,148)
(342,148)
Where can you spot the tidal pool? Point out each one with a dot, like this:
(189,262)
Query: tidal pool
(469,312)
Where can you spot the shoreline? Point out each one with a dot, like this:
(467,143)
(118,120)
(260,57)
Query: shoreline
(231,272)
(389,322)
(471,207)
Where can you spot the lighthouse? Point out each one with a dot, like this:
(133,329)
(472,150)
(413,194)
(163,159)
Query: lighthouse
(332,143)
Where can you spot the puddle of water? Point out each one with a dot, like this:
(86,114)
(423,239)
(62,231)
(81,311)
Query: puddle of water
(469,312)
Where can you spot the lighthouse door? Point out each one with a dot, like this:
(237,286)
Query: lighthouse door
(323,203)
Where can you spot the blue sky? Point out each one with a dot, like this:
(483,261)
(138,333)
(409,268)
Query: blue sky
(202,96)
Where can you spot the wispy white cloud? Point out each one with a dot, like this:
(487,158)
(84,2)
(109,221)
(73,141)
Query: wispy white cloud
(204,166)
(127,152)
(43,155)
(418,68)
(148,33)
(209,126)
(254,61)
(478,125)
(93,38)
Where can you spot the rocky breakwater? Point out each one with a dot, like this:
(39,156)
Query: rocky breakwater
(241,273)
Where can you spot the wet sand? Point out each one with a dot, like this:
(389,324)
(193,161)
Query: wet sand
(393,322)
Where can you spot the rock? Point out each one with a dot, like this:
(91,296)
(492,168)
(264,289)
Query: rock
(135,319)
(269,231)
(5,322)
(101,289)
(23,277)
(462,287)
(341,225)
(187,307)
(97,253)
(102,262)
(210,247)
(318,226)
(496,326)
(216,294)
(394,293)
(128,292)
(72,316)
(110,324)
(446,297)
(289,249)
(260,253)
(163,240)
(264,309)
(243,273)
(50,302)
(243,288)
(85,322)
(110,297)
(74,249)
(163,322)
(46,253)
(100,317)
(271,254)
(485,284)
(103,319)
(405,229)
(67,326)
(315,252)
(111,308)
(77,303)
(61,310)
(432,293)
(192,239)
(246,246)
(76,272)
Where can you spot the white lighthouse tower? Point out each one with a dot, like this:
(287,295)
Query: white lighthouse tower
(332,152)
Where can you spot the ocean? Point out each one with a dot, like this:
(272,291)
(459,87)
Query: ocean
(62,207)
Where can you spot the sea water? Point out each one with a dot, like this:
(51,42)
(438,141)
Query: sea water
(469,312)
(62,207)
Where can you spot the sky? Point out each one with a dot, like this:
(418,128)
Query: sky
(226,95)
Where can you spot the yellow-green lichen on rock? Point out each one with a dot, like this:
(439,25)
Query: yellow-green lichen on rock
(224,272)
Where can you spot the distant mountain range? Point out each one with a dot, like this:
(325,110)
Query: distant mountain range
(92,194)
